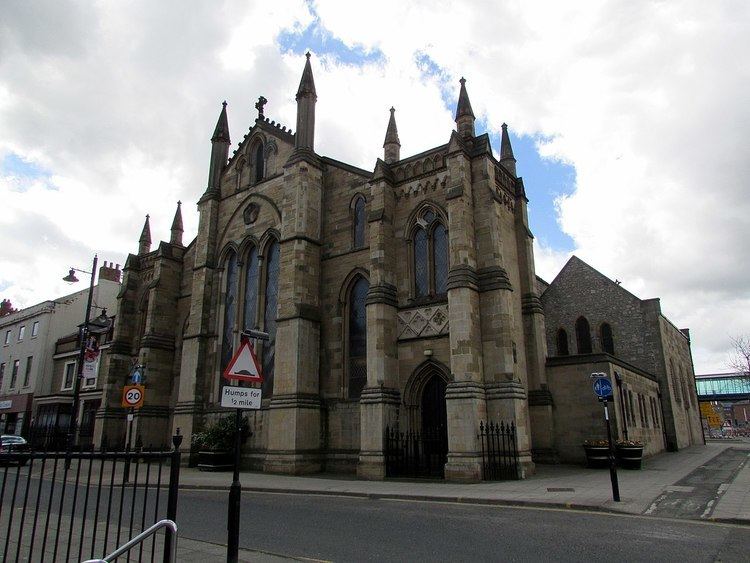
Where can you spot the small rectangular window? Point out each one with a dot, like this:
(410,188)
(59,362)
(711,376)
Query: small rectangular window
(7,337)
(21,332)
(14,374)
(27,373)
(69,376)
(2,374)
(35,329)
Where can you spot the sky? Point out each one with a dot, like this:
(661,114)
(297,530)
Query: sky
(629,122)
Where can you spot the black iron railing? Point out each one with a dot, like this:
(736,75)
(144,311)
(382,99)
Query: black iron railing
(71,506)
(499,451)
(414,454)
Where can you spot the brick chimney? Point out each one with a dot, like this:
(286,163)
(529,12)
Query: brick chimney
(110,271)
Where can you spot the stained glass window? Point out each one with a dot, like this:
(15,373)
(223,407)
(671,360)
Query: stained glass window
(562,343)
(421,267)
(583,335)
(251,289)
(359,223)
(269,316)
(440,258)
(230,308)
(357,338)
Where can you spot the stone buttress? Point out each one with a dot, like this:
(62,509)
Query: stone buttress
(379,402)
(294,441)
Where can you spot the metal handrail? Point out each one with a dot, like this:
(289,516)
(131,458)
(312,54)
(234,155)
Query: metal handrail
(139,538)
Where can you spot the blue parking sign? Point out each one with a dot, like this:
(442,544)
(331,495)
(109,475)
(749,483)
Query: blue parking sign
(602,387)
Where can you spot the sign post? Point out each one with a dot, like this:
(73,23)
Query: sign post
(132,398)
(243,367)
(603,389)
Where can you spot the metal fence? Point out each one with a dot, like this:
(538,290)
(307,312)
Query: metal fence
(414,454)
(71,506)
(499,451)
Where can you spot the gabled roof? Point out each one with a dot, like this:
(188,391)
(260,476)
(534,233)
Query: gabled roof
(575,262)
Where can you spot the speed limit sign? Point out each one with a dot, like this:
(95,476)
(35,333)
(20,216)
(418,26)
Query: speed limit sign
(132,396)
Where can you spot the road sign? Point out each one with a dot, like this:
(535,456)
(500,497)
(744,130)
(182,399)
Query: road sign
(244,365)
(137,376)
(132,396)
(240,397)
(602,387)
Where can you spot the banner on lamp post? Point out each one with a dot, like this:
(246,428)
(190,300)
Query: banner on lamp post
(91,357)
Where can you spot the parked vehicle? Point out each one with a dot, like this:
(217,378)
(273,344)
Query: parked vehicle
(14,449)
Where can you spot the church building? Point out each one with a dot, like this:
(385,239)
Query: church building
(399,297)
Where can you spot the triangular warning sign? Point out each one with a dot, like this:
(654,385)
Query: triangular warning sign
(244,364)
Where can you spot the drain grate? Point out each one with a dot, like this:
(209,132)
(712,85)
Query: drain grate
(560,490)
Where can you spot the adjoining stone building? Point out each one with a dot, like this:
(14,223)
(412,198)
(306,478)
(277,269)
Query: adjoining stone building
(403,296)
(595,325)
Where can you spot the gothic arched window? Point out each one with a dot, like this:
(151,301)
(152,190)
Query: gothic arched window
(421,264)
(429,255)
(440,258)
(583,336)
(358,222)
(252,268)
(357,338)
(269,315)
(562,343)
(230,308)
(605,335)
(259,163)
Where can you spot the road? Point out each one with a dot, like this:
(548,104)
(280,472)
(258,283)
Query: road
(348,529)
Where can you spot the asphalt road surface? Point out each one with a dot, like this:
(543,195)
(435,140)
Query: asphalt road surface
(348,529)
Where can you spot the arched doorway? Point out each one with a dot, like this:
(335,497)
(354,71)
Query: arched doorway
(434,415)
(434,426)
(419,448)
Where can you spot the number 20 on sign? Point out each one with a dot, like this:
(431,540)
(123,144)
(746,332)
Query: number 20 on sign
(132,396)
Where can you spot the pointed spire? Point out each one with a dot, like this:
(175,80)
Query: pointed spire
(307,84)
(464,113)
(221,133)
(304,139)
(177,229)
(144,243)
(392,145)
(219,154)
(507,160)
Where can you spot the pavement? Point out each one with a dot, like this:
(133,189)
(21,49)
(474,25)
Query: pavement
(648,491)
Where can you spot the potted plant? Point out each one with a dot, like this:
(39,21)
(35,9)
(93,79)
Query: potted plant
(597,453)
(215,443)
(629,453)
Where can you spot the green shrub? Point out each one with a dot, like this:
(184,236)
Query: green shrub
(218,435)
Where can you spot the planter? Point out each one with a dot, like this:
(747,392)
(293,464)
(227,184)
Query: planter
(629,457)
(212,460)
(597,457)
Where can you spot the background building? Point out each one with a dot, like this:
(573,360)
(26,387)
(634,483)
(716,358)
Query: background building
(29,338)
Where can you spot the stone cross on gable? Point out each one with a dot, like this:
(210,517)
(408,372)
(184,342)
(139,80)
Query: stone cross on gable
(259,106)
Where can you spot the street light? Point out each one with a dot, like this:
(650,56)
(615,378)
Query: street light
(98,325)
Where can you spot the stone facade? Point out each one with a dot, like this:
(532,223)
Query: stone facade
(638,336)
(432,251)
(399,297)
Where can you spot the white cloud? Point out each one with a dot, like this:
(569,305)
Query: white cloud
(646,100)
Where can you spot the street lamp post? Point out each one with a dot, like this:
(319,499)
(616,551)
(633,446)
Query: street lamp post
(83,334)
